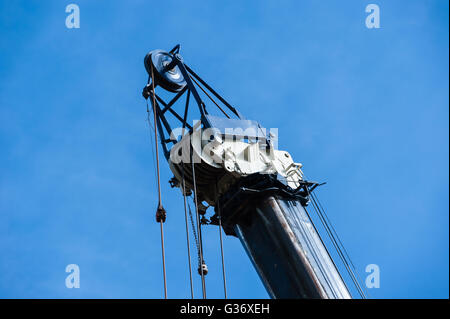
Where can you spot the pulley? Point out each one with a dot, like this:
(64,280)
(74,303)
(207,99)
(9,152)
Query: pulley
(202,268)
(166,73)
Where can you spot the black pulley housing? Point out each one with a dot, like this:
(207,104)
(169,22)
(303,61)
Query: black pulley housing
(166,73)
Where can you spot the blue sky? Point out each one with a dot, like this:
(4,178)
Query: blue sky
(365,110)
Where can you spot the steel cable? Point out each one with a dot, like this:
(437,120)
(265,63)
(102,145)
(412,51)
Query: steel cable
(187,233)
(221,250)
(160,213)
(198,224)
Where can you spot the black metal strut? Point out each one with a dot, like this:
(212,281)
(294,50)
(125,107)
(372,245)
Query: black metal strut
(192,81)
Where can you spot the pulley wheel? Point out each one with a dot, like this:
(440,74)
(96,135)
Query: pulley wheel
(172,80)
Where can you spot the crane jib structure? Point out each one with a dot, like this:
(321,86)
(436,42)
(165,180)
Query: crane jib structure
(259,194)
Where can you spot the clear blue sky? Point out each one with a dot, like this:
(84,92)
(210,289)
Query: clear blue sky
(364,110)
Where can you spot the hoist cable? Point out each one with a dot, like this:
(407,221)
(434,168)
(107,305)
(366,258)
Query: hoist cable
(151,129)
(326,249)
(333,241)
(336,246)
(221,250)
(163,258)
(187,232)
(332,228)
(184,199)
(328,224)
(310,244)
(198,224)
(355,275)
(151,143)
(160,213)
(194,233)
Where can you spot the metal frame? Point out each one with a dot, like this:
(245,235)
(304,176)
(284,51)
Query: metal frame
(192,79)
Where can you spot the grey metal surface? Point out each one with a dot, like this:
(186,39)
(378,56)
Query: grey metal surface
(238,127)
(287,253)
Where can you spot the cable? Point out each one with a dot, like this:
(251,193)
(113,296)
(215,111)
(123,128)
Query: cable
(336,246)
(326,249)
(160,212)
(357,280)
(151,129)
(297,221)
(185,210)
(151,143)
(221,250)
(336,234)
(327,223)
(198,227)
(187,233)
(194,233)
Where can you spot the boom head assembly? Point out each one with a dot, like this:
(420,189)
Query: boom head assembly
(228,162)
(223,148)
